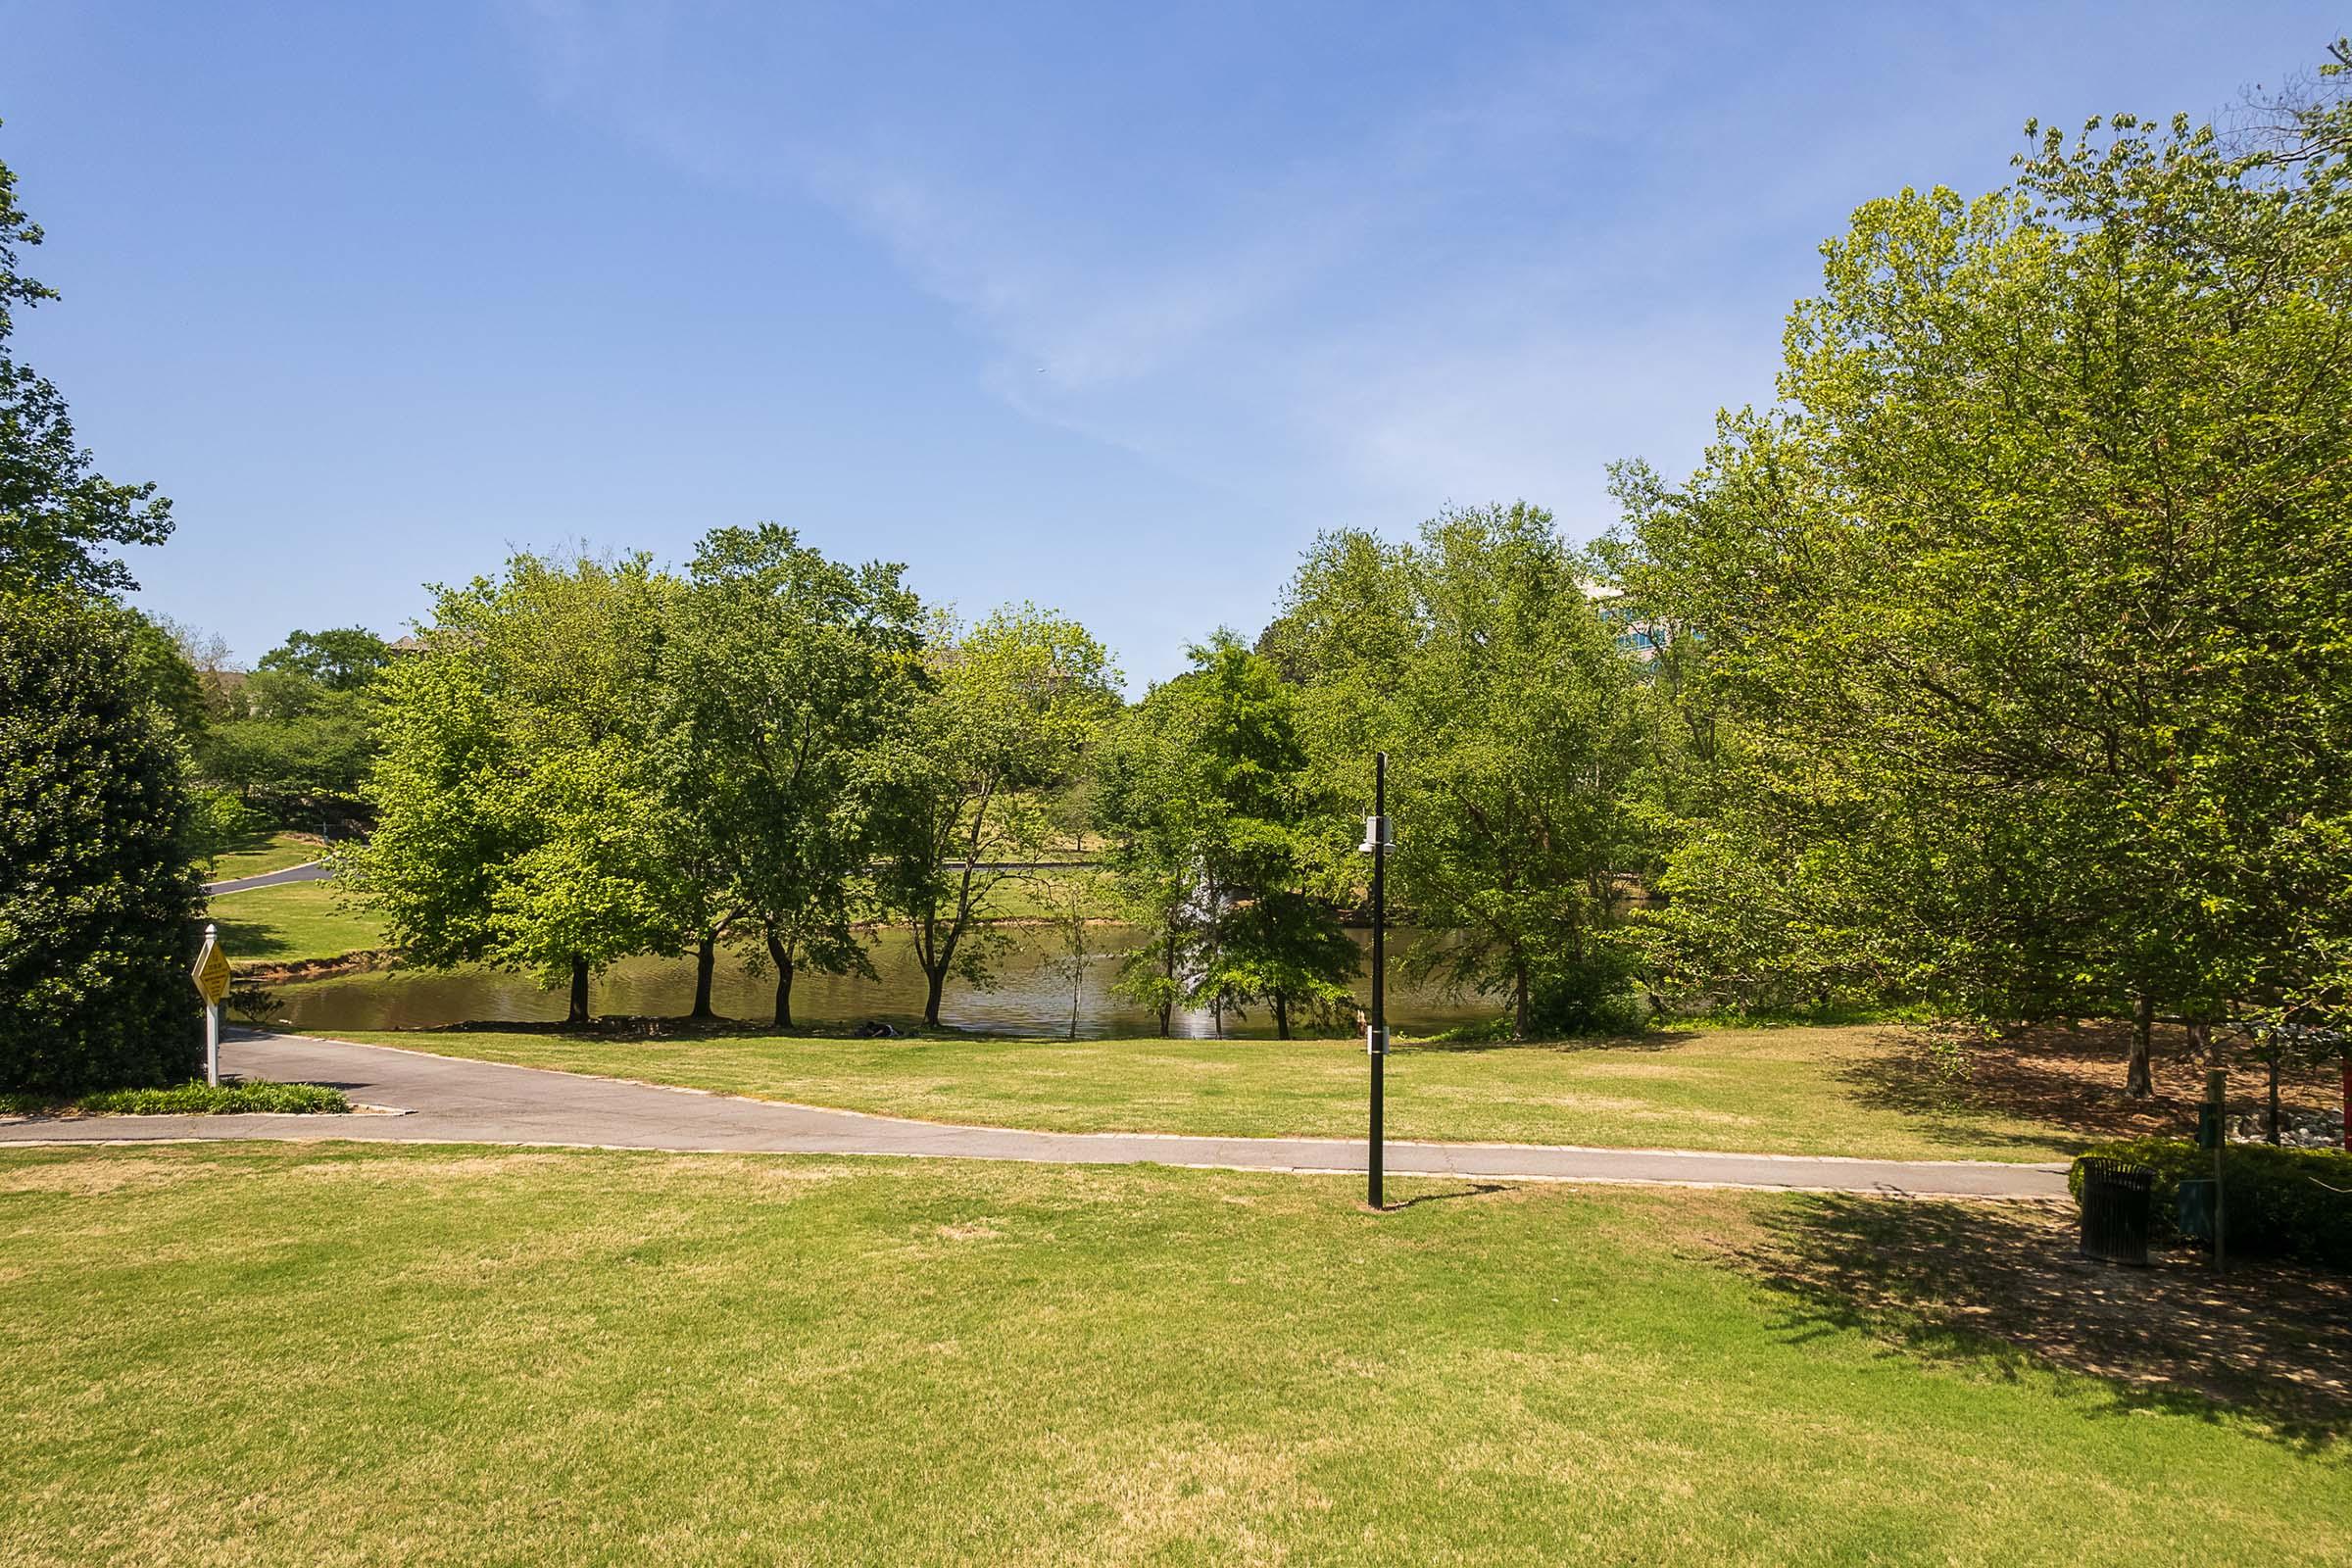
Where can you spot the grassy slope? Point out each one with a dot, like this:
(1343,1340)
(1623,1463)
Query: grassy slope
(260,853)
(239,1355)
(292,922)
(1765,1090)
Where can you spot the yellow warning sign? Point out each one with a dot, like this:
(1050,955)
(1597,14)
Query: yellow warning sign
(212,973)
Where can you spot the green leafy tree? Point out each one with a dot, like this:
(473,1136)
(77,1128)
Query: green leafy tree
(2030,596)
(163,671)
(520,817)
(1006,707)
(99,904)
(1148,799)
(58,518)
(341,658)
(1520,745)
(297,735)
(294,738)
(1229,846)
(785,674)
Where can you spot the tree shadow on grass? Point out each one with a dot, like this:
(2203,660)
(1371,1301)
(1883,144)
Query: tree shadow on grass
(2061,1077)
(2001,1289)
(1964,1113)
(251,939)
(1653,1041)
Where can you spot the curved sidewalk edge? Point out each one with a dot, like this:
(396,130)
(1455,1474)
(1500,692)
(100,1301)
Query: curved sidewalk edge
(307,871)
(454,1100)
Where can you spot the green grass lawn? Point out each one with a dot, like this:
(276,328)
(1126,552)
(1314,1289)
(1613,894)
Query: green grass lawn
(260,853)
(291,923)
(1798,1091)
(331,1353)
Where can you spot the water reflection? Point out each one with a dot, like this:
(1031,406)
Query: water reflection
(1034,996)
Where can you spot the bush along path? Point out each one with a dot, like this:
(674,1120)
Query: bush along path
(455,1100)
(256,1097)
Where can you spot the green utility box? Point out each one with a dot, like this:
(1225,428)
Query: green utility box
(2196,1207)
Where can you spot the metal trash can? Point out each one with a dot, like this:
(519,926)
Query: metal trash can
(2115,1204)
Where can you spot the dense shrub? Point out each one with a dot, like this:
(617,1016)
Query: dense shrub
(98,895)
(196,1099)
(2282,1202)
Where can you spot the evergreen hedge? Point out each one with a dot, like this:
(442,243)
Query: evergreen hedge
(99,898)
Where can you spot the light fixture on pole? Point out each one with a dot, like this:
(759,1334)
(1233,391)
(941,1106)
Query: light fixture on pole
(1379,840)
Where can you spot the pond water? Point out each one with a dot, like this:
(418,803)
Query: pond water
(1033,995)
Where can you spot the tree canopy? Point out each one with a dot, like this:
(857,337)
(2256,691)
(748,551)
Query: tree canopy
(783,674)
(1226,846)
(2032,598)
(1516,718)
(519,819)
(1005,712)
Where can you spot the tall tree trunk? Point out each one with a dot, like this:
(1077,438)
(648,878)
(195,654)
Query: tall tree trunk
(2138,1082)
(1523,1013)
(579,990)
(706,961)
(2274,1096)
(1282,1016)
(1168,1003)
(943,945)
(780,954)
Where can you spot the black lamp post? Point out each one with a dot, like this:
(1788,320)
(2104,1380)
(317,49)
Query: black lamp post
(1378,840)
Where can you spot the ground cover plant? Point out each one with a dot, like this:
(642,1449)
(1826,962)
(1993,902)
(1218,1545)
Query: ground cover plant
(294,922)
(186,1099)
(454,1355)
(1860,1089)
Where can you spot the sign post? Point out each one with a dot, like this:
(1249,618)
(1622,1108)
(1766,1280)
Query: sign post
(212,984)
(1378,840)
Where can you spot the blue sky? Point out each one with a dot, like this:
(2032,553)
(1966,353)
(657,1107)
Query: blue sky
(1108,308)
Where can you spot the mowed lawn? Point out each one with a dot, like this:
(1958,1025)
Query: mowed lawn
(1848,1090)
(293,922)
(329,1353)
(263,853)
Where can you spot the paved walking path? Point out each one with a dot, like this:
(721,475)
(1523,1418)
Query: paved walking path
(307,871)
(453,1101)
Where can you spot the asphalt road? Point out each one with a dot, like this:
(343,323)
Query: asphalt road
(308,871)
(447,1100)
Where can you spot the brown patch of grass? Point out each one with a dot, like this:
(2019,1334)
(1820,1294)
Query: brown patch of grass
(2003,1285)
(88,1178)
(1202,1487)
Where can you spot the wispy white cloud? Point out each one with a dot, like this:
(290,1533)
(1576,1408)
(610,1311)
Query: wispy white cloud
(1538,253)
(1309,315)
